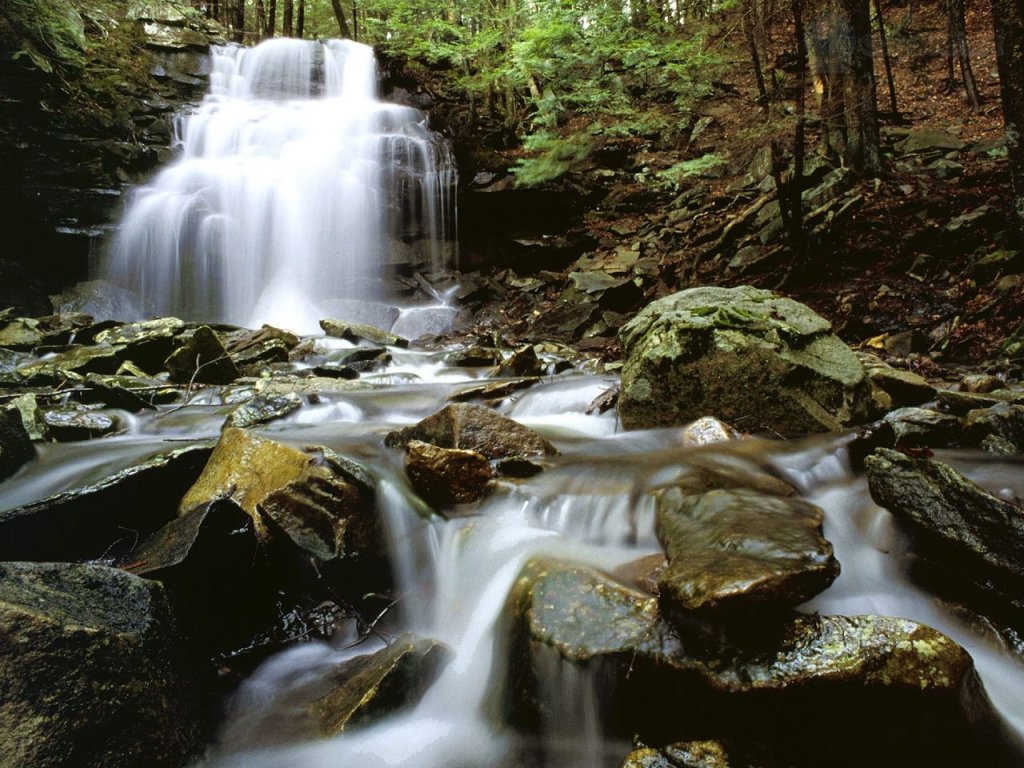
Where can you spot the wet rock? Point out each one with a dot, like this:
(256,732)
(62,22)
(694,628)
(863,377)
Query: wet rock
(707,472)
(26,333)
(81,360)
(795,684)
(523,362)
(370,687)
(27,407)
(147,344)
(684,754)
(252,350)
(361,359)
(970,536)
(708,431)
(70,424)
(129,392)
(15,442)
(335,371)
(309,385)
(980,383)
(740,550)
(1004,421)
(472,427)
(263,408)
(356,332)
(476,357)
(103,520)
(91,673)
(921,427)
(495,390)
(202,359)
(744,355)
(98,298)
(447,476)
(318,500)
(418,322)
(962,402)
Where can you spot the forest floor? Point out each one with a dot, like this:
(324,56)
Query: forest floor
(919,265)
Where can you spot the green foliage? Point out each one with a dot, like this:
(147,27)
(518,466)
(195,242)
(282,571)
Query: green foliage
(50,33)
(696,167)
(554,156)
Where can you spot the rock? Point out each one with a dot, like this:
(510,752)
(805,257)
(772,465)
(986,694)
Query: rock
(147,344)
(1003,420)
(370,687)
(97,358)
(202,359)
(744,355)
(524,362)
(708,431)
(971,536)
(979,218)
(318,500)
(15,442)
(103,520)
(796,684)
(371,313)
(946,169)
(683,754)
(962,402)
(418,322)
(472,427)
(355,332)
(91,674)
(31,417)
(263,408)
(928,139)
(70,424)
(130,393)
(905,388)
(920,427)
(447,476)
(980,383)
(476,357)
(735,550)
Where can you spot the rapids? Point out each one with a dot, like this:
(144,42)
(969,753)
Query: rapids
(591,505)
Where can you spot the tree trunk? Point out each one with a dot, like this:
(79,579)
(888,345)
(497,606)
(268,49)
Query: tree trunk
(1008,19)
(339,14)
(300,19)
(883,38)
(749,23)
(840,51)
(286,19)
(272,19)
(261,20)
(959,49)
(239,21)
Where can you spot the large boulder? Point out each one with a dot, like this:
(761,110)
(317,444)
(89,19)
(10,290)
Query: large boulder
(796,684)
(91,675)
(973,541)
(762,362)
(739,550)
(447,476)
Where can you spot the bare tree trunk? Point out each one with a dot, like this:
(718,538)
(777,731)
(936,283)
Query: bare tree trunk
(286,19)
(755,57)
(1008,19)
(239,21)
(339,14)
(261,20)
(959,49)
(883,39)
(355,22)
(300,20)
(272,19)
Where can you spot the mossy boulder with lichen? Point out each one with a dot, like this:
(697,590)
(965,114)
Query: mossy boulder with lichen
(759,361)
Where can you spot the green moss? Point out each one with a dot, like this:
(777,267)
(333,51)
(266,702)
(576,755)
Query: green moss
(51,33)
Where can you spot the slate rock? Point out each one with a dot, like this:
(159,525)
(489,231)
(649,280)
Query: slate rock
(92,676)
(472,427)
(447,476)
(202,359)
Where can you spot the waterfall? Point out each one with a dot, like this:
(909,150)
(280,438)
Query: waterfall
(295,191)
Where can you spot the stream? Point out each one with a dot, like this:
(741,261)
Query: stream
(591,505)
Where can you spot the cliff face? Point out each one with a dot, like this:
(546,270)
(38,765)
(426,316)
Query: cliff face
(89,91)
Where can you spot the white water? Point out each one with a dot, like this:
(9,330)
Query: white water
(294,191)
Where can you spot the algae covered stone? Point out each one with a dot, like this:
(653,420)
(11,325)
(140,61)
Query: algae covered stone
(759,361)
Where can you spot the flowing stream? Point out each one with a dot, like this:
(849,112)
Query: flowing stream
(453,576)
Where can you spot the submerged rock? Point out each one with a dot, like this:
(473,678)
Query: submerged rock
(971,536)
(754,359)
(68,424)
(447,476)
(796,683)
(91,674)
(472,427)
(740,550)
(263,408)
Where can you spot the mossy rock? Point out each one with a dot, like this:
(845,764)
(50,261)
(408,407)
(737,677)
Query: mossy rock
(759,361)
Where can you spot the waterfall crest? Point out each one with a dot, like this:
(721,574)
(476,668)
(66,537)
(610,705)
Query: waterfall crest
(295,187)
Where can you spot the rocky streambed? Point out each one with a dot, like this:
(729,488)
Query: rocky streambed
(248,548)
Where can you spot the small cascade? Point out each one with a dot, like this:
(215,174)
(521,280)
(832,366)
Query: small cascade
(296,190)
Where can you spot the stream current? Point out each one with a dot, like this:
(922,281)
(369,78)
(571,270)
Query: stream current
(453,576)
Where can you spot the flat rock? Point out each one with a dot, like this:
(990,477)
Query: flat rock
(202,359)
(91,674)
(147,343)
(740,550)
(263,408)
(357,332)
(70,424)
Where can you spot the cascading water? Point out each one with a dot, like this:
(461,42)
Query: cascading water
(295,190)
